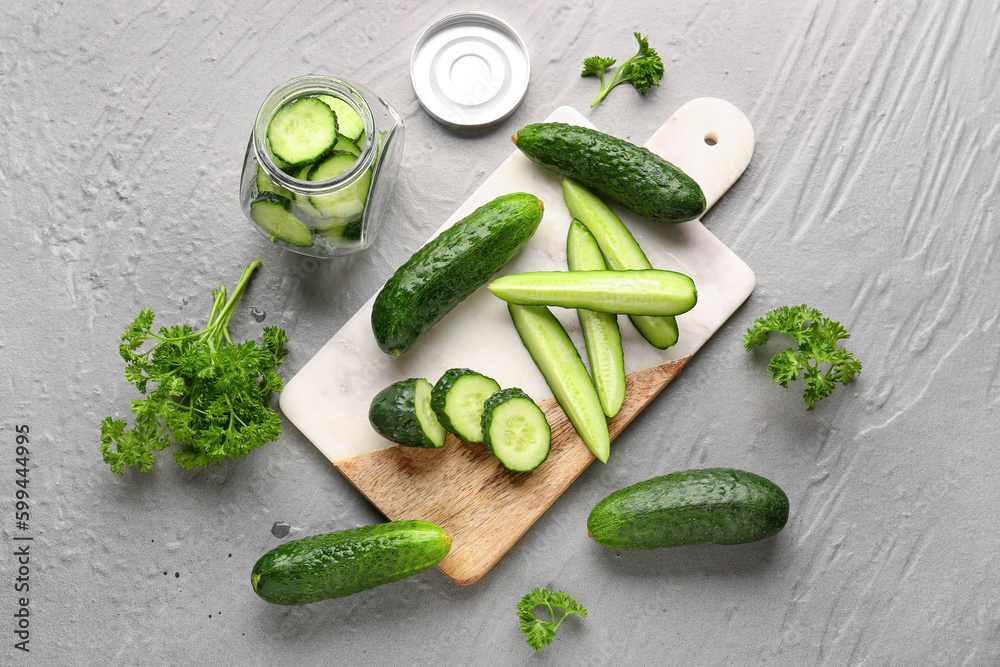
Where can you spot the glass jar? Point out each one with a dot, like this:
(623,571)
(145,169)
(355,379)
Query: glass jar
(333,204)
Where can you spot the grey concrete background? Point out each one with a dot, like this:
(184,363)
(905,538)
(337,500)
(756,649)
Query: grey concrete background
(871,196)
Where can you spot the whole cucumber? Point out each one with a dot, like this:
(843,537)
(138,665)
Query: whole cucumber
(345,562)
(631,175)
(450,267)
(702,506)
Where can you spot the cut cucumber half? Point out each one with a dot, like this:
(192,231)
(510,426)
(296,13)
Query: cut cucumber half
(458,399)
(601,334)
(402,413)
(273,213)
(515,430)
(621,251)
(351,124)
(557,358)
(302,131)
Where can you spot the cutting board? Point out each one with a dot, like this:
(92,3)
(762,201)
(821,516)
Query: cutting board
(462,487)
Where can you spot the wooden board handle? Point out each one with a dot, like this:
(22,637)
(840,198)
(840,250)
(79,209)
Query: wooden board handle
(464,489)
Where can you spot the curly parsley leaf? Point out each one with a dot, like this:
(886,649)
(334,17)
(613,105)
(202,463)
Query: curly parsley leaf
(200,389)
(643,70)
(816,356)
(539,631)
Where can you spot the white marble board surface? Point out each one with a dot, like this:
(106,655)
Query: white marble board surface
(328,398)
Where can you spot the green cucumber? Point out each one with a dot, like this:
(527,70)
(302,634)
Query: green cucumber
(402,413)
(621,252)
(302,131)
(601,333)
(560,364)
(457,400)
(338,564)
(633,176)
(645,292)
(515,430)
(450,267)
(273,213)
(705,506)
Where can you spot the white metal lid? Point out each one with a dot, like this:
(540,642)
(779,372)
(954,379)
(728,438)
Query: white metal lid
(469,70)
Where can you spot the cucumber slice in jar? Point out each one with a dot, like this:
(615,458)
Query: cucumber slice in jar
(302,131)
(351,124)
(303,208)
(515,430)
(266,184)
(402,413)
(347,145)
(273,213)
(458,399)
(348,201)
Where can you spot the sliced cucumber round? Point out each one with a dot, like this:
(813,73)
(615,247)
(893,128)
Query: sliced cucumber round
(273,213)
(348,201)
(302,131)
(515,430)
(351,124)
(458,399)
(266,184)
(402,413)
(347,145)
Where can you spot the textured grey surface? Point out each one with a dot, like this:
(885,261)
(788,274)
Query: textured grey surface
(871,196)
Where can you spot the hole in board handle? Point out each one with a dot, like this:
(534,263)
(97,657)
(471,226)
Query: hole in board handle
(711,138)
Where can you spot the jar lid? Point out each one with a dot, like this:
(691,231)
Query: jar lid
(469,70)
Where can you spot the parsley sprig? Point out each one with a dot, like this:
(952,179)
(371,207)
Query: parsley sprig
(211,394)
(816,339)
(644,70)
(539,632)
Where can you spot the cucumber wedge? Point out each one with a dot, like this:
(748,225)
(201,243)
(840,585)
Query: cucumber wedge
(402,413)
(515,430)
(643,292)
(458,399)
(560,364)
(601,333)
(621,252)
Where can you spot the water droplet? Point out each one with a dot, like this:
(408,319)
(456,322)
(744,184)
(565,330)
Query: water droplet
(280,529)
(258,314)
